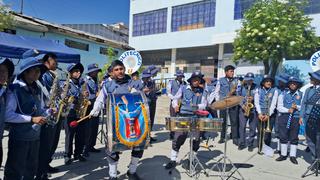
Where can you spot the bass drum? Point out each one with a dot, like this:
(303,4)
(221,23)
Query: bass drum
(128,124)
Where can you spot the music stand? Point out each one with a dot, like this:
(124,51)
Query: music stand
(101,131)
(225,158)
(315,165)
(193,159)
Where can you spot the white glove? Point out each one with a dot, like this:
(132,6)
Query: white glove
(94,113)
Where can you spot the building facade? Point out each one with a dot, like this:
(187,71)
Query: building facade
(91,47)
(193,34)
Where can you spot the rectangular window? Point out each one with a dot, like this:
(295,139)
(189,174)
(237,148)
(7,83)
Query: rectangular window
(77,45)
(240,6)
(313,7)
(193,16)
(104,51)
(152,22)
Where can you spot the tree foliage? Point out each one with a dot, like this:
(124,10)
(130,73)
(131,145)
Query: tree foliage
(6,20)
(110,57)
(273,30)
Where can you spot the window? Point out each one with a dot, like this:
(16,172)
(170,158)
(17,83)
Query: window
(152,22)
(77,45)
(313,7)
(240,6)
(104,51)
(10,31)
(193,16)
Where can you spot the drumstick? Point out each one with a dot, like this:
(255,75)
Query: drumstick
(125,101)
(76,123)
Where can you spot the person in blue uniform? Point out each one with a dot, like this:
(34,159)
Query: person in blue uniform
(265,101)
(281,81)
(227,87)
(289,105)
(193,97)
(247,91)
(135,81)
(6,71)
(92,126)
(173,87)
(211,87)
(149,88)
(78,132)
(25,114)
(309,113)
(48,132)
(119,84)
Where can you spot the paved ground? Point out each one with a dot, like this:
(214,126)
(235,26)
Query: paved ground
(251,165)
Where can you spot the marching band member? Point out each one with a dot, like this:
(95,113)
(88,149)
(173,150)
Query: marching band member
(289,106)
(193,97)
(149,88)
(135,81)
(48,133)
(6,71)
(247,113)
(210,88)
(173,87)
(265,100)
(119,84)
(309,102)
(25,112)
(281,81)
(227,86)
(92,126)
(76,133)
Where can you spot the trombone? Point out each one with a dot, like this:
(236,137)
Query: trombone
(262,128)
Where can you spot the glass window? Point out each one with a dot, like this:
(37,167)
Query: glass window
(313,7)
(240,6)
(77,45)
(193,16)
(152,22)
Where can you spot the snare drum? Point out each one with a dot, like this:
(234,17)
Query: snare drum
(129,126)
(181,124)
(209,124)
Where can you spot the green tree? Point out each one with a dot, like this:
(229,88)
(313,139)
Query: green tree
(273,30)
(110,57)
(6,19)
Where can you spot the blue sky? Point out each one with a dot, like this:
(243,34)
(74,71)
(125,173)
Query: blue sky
(75,11)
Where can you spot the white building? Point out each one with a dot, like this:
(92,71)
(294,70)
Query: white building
(192,34)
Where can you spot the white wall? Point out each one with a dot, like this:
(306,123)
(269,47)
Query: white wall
(222,32)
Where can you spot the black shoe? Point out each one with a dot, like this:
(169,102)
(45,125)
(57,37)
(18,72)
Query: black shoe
(171,164)
(153,139)
(52,169)
(94,150)
(281,158)
(86,154)
(250,148)
(241,147)
(67,160)
(277,152)
(221,141)
(80,158)
(133,176)
(113,178)
(293,160)
(307,149)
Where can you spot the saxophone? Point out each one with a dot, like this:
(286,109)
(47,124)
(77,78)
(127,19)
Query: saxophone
(65,100)
(54,91)
(83,102)
(248,106)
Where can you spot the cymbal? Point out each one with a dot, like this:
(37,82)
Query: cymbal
(227,103)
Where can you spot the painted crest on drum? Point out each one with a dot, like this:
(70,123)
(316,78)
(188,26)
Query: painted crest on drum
(130,120)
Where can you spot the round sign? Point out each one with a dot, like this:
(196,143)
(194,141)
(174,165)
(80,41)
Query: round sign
(132,61)
(315,61)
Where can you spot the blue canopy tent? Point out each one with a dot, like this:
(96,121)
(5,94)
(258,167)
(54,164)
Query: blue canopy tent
(13,46)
